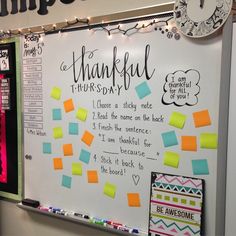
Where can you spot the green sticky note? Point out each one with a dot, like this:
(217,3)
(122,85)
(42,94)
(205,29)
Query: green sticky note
(200,167)
(81,114)
(77,169)
(66,181)
(56,93)
(109,190)
(208,140)
(177,120)
(47,148)
(57,132)
(171,159)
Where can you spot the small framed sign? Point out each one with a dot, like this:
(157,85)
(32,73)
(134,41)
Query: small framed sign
(5,58)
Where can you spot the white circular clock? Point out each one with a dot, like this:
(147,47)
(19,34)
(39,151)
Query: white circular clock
(199,18)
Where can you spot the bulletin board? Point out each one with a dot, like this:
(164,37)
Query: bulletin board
(10,121)
(102,111)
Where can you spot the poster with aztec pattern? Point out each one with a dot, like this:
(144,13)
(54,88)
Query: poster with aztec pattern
(176,205)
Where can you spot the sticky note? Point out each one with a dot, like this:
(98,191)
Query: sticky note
(66,181)
(84,156)
(57,132)
(92,176)
(169,139)
(171,159)
(177,120)
(56,93)
(77,169)
(47,148)
(208,140)
(81,114)
(142,90)
(109,190)
(133,199)
(57,163)
(189,143)
(56,114)
(68,149)
(201,118)
(73,128)
(87,138)
(200,167)
(68,105)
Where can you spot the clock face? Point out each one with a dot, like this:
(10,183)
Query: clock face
(199,18)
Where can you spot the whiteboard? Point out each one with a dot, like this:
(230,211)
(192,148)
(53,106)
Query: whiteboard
(124,90)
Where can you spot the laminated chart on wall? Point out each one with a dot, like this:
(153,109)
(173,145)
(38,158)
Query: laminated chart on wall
(102,112)
(176,205)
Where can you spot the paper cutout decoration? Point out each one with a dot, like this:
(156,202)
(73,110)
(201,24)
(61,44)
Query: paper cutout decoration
(66,181)
(177,120)
(208,140)
(68,149)
(200,167)
(201,118)
(84,156)
(56,114)
(57,132)
(142,90)
(92,176)
(133,199)
(73,128)
(47,148)
(171,159)
(56,93)
(169,139)
(77,168)
(189,143)
(57,163)
(87,138)
(109,190)
(175,205)
(81,114)
(69,105)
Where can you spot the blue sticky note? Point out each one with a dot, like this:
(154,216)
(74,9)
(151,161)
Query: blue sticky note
(200,167)
(142,90)
(73,128)
(66,181)
(169,139)
(56,114)
(84,156)
(47,148)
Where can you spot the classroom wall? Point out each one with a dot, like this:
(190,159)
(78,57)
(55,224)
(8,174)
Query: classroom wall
(15,221)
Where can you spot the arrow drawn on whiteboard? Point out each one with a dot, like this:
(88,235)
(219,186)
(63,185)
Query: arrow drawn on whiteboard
(136,179)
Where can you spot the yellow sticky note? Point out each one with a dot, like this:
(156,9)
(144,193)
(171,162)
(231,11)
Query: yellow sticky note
(109,190)
(209,140)
(177,120)
(57,163)
(57,132)
(133,199)
(56,93)
(201,118)
(189,143)
(87,138)
(171,159)
(77,168)
(81,114)
(69,105)
(92,176)
(68,149)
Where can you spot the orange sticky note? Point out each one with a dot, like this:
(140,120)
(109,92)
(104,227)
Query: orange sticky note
(201,118)
(92,176)
(69,105)
(87,138)
(57,163)
(67,149)
(133,199)
(189,143)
